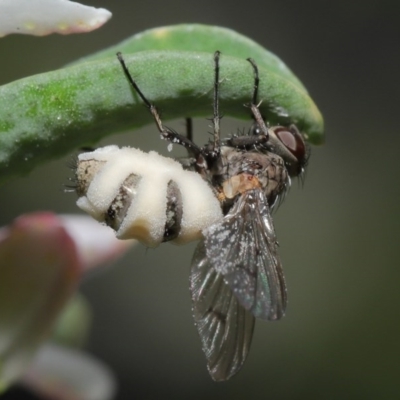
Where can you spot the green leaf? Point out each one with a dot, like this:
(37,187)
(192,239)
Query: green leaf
(197,37)
(48,115)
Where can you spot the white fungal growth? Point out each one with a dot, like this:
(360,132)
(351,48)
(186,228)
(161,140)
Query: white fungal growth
(43,17)
(101,175)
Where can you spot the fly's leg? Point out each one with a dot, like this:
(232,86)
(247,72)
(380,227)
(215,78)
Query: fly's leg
(165,132)
(189,136)
(217,117)
(260,134)
(188,163)
(211,152)
(247,142)
(275,142)
(189,128)
(259,124)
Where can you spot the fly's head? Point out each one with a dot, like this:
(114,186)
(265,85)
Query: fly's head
(288,143)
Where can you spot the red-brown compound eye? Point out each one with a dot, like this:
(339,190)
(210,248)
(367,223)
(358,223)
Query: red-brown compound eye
(291,138)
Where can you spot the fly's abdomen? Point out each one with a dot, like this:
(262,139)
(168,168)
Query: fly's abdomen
(144,196)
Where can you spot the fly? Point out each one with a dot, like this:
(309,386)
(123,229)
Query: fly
(236,273)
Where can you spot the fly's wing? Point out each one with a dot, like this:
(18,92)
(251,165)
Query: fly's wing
(224,326)
(243,248)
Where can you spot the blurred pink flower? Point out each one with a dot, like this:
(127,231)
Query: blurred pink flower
(42,259)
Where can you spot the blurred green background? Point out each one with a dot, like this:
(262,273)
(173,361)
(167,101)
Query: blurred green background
(339,235)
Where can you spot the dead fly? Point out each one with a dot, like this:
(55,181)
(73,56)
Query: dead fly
(236,273)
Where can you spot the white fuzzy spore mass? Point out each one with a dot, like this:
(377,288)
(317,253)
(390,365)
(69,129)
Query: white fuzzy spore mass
(103,174)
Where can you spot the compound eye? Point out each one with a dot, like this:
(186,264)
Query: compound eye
(291,138)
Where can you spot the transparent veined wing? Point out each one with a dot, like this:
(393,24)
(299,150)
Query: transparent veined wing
(244,249)
(225,327)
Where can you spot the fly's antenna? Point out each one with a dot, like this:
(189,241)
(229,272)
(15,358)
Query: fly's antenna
(217,118)
(165,132)
(259,120)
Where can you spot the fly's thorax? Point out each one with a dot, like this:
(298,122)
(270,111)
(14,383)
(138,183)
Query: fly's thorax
(144,196)
(238,171)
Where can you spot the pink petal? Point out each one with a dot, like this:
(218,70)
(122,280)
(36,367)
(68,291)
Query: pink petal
(96,243)
(39,270)
(64,374)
